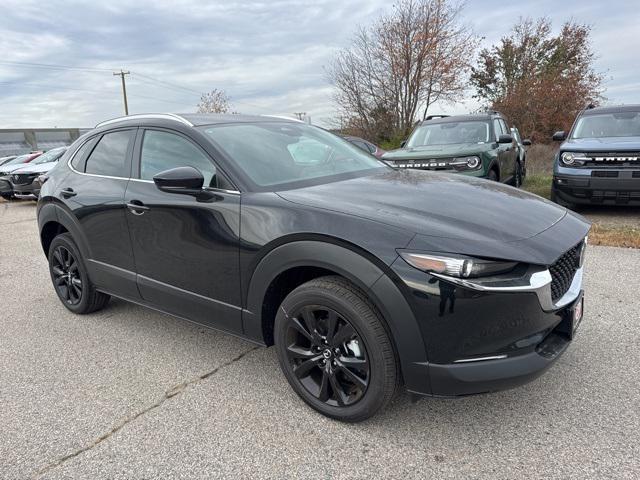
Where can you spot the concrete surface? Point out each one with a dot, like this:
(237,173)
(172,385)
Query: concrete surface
(131,393)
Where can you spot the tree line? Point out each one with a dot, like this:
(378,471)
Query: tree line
(421,52)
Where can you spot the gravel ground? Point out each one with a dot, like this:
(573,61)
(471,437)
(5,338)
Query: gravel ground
(609,216)
(131,393)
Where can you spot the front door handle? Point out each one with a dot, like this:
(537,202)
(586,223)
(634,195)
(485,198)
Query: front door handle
(137,207)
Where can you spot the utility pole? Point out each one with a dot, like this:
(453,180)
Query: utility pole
(121,74)
(300,115)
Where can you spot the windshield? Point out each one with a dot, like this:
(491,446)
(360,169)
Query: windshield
(450,133)
(280,153)
(19,159)
(622,124)
(50,156)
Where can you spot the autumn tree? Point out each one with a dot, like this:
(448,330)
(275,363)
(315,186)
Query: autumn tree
(397,67)
(215,101)
(540,81)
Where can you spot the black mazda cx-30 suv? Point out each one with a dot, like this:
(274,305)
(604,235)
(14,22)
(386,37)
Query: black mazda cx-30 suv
(363,277)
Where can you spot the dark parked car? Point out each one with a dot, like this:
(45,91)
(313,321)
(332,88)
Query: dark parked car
(477,145)
(6,190)
(363,276)
(521,149)
(365,145)
(26,182)
(599,161)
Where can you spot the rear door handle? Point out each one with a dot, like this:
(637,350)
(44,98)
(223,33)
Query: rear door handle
(68,192)
(137,207)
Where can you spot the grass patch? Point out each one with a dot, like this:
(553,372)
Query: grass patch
(538,184)
(609,235)
(614,236)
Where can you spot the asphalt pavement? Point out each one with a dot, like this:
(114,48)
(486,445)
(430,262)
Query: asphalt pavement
(129,393)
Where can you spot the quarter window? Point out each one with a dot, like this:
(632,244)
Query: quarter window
(78,158)
(110,155)
(163,151)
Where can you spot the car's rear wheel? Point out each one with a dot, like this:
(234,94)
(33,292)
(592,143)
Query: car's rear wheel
(70,279)
(334,349)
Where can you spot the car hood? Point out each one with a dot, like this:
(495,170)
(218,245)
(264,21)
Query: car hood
(6,169)
(436,204)
(436,151)
(605,144)
(43,167)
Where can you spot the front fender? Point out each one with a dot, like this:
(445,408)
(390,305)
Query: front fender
(373,278)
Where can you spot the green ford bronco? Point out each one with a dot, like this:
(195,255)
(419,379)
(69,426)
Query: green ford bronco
(480,145)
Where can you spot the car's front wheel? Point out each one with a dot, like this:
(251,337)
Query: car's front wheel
(70,279)
(334,349)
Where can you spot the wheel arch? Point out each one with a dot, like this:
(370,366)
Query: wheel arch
(313,258)
(54,220)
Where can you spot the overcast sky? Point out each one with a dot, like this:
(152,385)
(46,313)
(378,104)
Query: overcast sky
(267,55)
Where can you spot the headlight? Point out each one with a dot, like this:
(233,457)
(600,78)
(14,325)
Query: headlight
(571,158)
(461,267)
(464,163)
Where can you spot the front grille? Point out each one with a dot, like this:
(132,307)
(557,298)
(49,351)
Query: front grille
(425,164)
(22,178)
(635,175)
(563,271)
(617,159)
(604,173)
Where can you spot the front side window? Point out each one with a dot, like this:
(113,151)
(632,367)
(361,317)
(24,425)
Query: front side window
(109,157)
(450,133)
(273,153)
(622,124)
(163,151)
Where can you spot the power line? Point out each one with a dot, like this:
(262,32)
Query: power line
(53,66)
(97,92)
(167,83)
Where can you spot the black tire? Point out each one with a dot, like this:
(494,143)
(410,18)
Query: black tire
(69,276)
(517,177)
(366,355)
(7,197)
(492,175)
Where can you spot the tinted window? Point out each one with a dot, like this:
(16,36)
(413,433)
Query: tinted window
(163,151)
(280,153)
(370,146)
(450,133)
(81,154)
(110,155)
(505,129)
(622,124)
(497,126)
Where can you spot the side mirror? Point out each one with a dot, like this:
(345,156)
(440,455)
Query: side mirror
(403,144)
(186,180)
(526,142)
(559,136)
(505,138)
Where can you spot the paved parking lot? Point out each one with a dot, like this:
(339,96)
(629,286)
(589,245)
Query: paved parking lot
(131,393)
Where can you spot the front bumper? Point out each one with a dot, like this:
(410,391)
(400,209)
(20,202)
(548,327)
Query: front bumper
(28,191)
(6,190)
(608,186)
(487,339)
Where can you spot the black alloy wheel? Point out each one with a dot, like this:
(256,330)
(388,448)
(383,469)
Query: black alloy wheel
(70,279)
(327,355)
(334,349)
(67,280)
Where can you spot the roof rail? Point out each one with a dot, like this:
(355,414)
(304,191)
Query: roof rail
(283,117)
(430,117)
(142,116)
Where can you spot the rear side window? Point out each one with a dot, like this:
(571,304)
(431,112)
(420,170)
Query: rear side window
(109,157)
